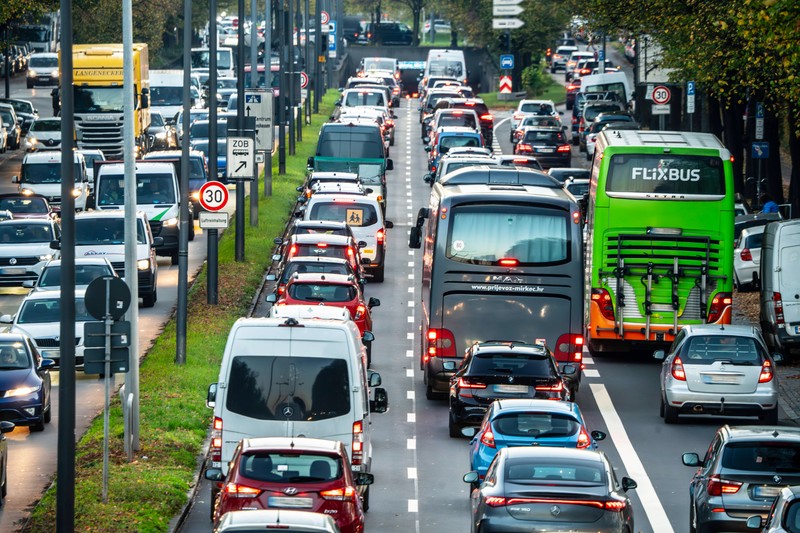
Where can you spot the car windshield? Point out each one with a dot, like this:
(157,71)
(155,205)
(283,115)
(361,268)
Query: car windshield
(47,124)
(48,310)
(47,173)
(295,467)
(84,274)
(43,62)
(762,457)
(90,231)
(706,349)
(156,119)
(510,364)
(25,233)
(24,205)
(13,356)
(563,175)
(578,189)
(554,472)
(322,292)
(536,425)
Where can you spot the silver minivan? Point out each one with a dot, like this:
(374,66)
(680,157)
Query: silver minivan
(780,285)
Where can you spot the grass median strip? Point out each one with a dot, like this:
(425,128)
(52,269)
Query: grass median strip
(146,494)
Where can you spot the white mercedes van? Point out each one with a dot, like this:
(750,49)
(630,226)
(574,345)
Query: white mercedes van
(294,374)
(780,285)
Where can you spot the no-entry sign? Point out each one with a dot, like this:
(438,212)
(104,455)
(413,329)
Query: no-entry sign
(213,196)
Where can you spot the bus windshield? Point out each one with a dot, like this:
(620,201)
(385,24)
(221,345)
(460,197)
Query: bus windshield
(659,174)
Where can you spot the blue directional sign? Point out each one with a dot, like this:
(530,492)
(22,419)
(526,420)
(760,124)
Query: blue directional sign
(252,98)
(601,55)
(759,110)
(332,38)
(507,61)
(690,88)
(760,151)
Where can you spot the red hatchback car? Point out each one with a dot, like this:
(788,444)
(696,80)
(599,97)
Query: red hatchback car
(292,473)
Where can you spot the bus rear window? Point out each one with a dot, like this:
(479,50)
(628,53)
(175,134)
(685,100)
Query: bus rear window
(483,234)
(658,174)
(354,214)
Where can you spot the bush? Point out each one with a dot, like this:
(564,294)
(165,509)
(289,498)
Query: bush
(534,79)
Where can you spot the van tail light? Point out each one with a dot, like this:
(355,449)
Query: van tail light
(357,457)
(603,299)
(569,347)
(746,255)
(341,494)
(721,301)
(677,369)
(583,439)
(441,343)
(718,486)
(216,440)
(487,438)
(381,236)
(487,116)
(465,387)
(360,310)
(563,148)
(234,490)
(777,301)
(522,147)
(766,372)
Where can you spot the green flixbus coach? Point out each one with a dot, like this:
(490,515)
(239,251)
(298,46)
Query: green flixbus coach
(659,250)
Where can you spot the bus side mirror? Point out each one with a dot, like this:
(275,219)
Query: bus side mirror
(389,164)
(415,238)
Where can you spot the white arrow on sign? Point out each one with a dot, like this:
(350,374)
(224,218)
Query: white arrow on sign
(506,11)
(506,2)
(507,24)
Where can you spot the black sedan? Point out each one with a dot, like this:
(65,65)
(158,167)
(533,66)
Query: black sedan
(24,383)
(498,370)
(534,488)
(160,135)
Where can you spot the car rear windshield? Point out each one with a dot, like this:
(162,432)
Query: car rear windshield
(45,311)
(43,62)
(465,120)
(754,241)
(536,425)
(452,141)
(564,175)
(554,471)
(322,292)
(272,387)
(199,130)
(547,136)
(313,267)
(354,214)
(351,142)
(541,120)
(366,98)
(763,457)
(663,174)
(511,364)
(705,349)
(290,467)
(533,107)
(591,111)
(23,205)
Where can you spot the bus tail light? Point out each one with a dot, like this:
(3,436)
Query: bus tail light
(441,343)
(357,456)
(569,347)
(216,440)
(677,369)
(564,148)
(777,301)
(603,300)
(746,255)
(766,372)
(721,301)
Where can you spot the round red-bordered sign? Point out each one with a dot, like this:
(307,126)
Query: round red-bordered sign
(324,18)
(661,95)
(213,196)
(303,80)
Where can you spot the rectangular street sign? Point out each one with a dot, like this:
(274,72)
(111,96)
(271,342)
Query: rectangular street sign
(507,24)
(241,158)
(660,109)
(213,220)
(760,150)
(506,2)
(759,120)
(690,92)
(259,103)
(506,11)
(94,360)
(94,334)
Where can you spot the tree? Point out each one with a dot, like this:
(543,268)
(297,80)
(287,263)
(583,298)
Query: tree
(416,7)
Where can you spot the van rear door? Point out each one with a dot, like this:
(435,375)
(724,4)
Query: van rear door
(789,282)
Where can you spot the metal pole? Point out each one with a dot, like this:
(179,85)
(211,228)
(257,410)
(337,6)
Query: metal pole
(307,63)
(65,490)
(280,24)
(292,67)
(300,116)
(106,378)
(131,255)
(319,42)
(268,68)
(253,84)
(240,124)
(185,217)
(212,241)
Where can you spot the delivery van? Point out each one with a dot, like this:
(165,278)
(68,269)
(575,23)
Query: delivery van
(294,374)
(616,82)
(780,285)
(41,174)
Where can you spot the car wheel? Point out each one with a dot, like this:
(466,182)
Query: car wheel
(391,140)
(368,346)
(670,414)
(588,156)
(453,427)
(429,394)
(191,230)
(377,274)
(569,106)
(769,418)
(149,300)
(38,425)
(30,84)
(575,141)
(48,414)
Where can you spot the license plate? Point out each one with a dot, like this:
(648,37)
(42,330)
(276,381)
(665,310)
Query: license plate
(766,492)
(367,251)
(545,150)
(13,271)
(717,379)
(510,389)
(797,330)
(294,503)
(50,354)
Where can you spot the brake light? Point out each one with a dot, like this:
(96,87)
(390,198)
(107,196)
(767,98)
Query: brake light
(389,122)
(746,255)
(465,387)
(495,501)
(350,252)
(358,442)
(322,245)
(564,148)
(574,119)
(487,438)
(572,87)
(487,116)
(522,147)
(614,505)
(292,250)
(341,494)
(233,490)
(216,440)
(609,505)
(677,369)
(766,372)
(569,347)
(520,161)
(721,301)
(441,343)
(381,235)
(777,301)
(508,261)
(281,289)
(603,301)
(583,438)
(718,486)
(558,387)
(518,116)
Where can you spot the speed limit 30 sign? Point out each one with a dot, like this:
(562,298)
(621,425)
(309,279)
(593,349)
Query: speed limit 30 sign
(213,196)
(661,95)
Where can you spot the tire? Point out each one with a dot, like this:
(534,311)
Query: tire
(588,157)
(149,300)
(29,84)
(191,230)
(391,140)
(575,141)
(38,425)
(670,414)
(378,274)
(453,427)
(769,418)
(429,394)
(369,354)
(48,414)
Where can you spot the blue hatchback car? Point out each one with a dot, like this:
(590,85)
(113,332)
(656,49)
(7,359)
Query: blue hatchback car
(525,422)
(24,382)
(447,138)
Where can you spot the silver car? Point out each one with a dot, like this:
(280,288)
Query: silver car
(717,370)
(784,516)
(740,476)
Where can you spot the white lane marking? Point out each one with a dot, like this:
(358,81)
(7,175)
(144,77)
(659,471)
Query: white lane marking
(411,444)
(591,373)
(411,289)
(412,473)
(409,372)
(411,252)
(411,276)
(411,418)
(410,336)
(409,353)
(411,320)
(413,507)
(411,264)
(616,430)
(411,303)
(409,395)
(587,360)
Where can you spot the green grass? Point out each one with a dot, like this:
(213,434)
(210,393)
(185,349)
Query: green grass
(552,91)
(441,40)
(146,494)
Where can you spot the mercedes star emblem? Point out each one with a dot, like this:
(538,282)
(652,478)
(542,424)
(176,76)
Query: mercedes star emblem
(12,261)
(290,491)
(555,510)
(288,411)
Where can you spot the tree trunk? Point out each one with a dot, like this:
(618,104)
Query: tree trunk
(794,152)
(772,166)
(732,138)
(416,14)
(714,117)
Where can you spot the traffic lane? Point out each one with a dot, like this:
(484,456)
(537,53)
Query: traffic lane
(40,97)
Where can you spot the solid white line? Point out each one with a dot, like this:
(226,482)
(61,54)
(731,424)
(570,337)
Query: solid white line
(411,444)
(412,473)
(591,373)
(645,491)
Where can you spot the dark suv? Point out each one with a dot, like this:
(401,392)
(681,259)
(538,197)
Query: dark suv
(497,370)
(742,473)
(390,33)
(480,108)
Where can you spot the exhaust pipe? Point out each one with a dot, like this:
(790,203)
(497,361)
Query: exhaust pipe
(697,408)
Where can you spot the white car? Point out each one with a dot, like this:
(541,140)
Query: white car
(747,258)
(25,248)
(86,270)
(531,107)
(39,317)
(44,134)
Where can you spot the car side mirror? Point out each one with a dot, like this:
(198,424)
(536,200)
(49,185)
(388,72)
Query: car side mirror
(754,522)
(389,164)
(55,245)
(471,477)
(6,319)
(7,427)
(598,435)
(14,179)
(415,237)
(28,283)
(568,370)
(690,459)
(374,378)
(145,99)
(310,162)
(388,224)
(381,402)
(363,478)
(211,396)
(271,277)
(278,240)
(299,188)
(777,357)
(276,257)
(659,355)
(365,261)
(271,298)
(368,336)
(214,474)
(373,302)
(450,366)
(469,431)
(157,241)
(628,484)
(47,364)
(428,148)
(426,140)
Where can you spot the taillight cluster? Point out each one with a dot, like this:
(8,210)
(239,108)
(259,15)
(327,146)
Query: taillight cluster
(381,236)
(607,505)
(522,147)
(569,347)
(777,301)
(441,343)
(563,148)
(677,369)
(746,255)
(603,300)
(718,486)
(583,438)
(487,438)
(360,310)
(720,302)
(357,457)
(766,372)
(465,387)
(235,490)
(216,440)
(341,494)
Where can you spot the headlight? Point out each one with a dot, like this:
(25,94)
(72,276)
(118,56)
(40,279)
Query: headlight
(32,73)
(171,221)
(26,192)
(76,192)
(22,391)
(143,264)
(55,74)
(45,257)
(196,196)
(161,135)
